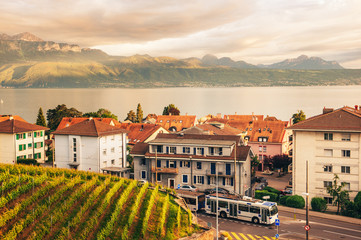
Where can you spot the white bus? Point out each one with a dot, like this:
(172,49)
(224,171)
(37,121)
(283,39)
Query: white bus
(253,210)
(195,200)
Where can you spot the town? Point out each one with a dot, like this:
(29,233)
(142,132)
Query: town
(298,163)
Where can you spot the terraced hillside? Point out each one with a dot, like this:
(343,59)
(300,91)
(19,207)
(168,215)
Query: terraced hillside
(42,203)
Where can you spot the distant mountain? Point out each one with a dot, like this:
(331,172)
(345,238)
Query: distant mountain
(212,60)
(304,62)
(25,36)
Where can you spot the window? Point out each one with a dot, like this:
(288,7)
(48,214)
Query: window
(22,147)
(346,137)
(29,134)
(229,181)
(264,149)
(30,146)
(74,157)
(37,155)
(328,152)
(345,153)
(30,156)
(228,169)
(328,136)
(185,164)
(223,204)
(254,209)
(212,180)
(159,163)
(160,121)
(159,149)
(211,150)
(346,186)
(260,148)
(20,136)
(186,150)
(260,157)
(345,169)
(328,200)
(262,139)
(327,168)
(104,152)
(243,208)
(199,165)
(172,164)
(327,184)
(112,150)
(173,150)
(200,151)
(113,161)
(184,178)
(142,161)
(198,179)
(219,151)
(143,174)
(159,177)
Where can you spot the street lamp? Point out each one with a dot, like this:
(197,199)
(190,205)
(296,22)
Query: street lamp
(307,200)
(217,198)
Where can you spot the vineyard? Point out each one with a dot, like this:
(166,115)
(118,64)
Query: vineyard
(46,203)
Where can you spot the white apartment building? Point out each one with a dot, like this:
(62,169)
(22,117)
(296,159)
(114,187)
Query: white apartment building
(331,144)
(92,145)
(21,140)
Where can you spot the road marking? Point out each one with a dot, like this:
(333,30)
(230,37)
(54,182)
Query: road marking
(244,237)
(349,229)
(258,236)
(236,236)
(342,234)
(266,238)
(251,237)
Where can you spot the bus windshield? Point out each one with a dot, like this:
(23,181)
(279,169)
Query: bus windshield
(274,210)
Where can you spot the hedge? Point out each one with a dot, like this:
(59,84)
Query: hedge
(318,204)
(273,190)
(260,193)
(28,161)
(283,200)
(295,201)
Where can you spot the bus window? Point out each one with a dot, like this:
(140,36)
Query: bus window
(208,201)
(274,210)
(223,204)
(254,209)
(190,201)
(201,198)
(243,208)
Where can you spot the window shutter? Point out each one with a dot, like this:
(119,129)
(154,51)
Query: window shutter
(184,149)
(158,163)
(41,133)
(24,136)
(202,179)
(24,146)
(20,147)
(42,144)
(194,179)
(167,163)
(34,134)
(224,181)
(175,164)
(17,136)
(35,145)
(231,181)
(167,149)
(194,151)
(208,180)
(202,151)
(180,164)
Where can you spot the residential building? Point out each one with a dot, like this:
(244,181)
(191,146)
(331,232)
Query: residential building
(20,140)
(176,123)
(213,128)
(194,159)
(331,143)
(141,132)
(69,121)
(92,145)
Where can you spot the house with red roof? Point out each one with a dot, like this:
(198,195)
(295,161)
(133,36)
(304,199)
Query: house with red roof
(329,143)
(213,128)
(92,145)
(21,140)
(69,121)
(176,123)
(141,132)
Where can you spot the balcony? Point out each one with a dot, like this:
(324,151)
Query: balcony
(220,173)
(165,170)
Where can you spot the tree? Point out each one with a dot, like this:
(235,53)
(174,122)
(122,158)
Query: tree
(171,109)
(281,162)
(298,117)
(54,116)
(41,119)
(101,113)
(130,160)
(254,164)
(339,196)
(131,116)
(139,113)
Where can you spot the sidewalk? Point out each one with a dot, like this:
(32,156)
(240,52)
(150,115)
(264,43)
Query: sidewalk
(321,215)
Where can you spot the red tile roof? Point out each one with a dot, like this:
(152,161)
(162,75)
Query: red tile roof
(244,117)
(139,132)
(178,122)
(18,126)
(6,117)
(90,127)
(213,129)
(342,119)
(69,121)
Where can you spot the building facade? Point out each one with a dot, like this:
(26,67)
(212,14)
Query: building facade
(21,140)
(92,145)
(331,144)
(180,159)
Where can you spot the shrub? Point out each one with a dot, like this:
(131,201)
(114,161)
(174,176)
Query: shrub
(318,204)
(295,201)
(283,200)
(259,194)
(28,161)
(272,190)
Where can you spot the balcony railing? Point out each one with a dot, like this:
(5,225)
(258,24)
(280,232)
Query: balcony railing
(220,173)
(165,170)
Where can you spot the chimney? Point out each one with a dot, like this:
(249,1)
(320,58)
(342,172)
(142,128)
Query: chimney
(356,107)
(219,115)
(91,118)
(11,117)
(327,110)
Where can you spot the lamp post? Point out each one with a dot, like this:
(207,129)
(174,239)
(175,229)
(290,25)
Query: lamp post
(216,200)
(307,200)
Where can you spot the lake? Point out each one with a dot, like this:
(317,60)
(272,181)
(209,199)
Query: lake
(280,102)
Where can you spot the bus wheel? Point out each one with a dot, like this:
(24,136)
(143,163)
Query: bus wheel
(255,220)
(223,214)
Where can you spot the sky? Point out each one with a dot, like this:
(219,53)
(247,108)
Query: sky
(255,31)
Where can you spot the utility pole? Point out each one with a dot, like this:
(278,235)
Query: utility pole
(307,196)
(235,164)
(156,166)
(217,200)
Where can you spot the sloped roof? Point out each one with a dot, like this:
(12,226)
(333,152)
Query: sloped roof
(7,117)
(244,117)
(90,127)
(179,122)
(213,129)
(139,132)
(140,148)
(342,119)
(18,126)
(69,121)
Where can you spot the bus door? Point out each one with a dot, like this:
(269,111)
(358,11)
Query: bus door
(213,206)
(264,215)
(233,209)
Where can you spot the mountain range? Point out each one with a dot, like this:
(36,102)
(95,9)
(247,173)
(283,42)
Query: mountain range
(28,61)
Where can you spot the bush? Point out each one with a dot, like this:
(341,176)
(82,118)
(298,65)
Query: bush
(283,200)
(260,193)
(318,204)
(272,190)
(295,201)
(28,161)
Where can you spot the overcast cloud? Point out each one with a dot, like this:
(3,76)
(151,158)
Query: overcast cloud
(256,31)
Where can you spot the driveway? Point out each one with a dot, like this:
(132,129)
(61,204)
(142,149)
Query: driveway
(275,181)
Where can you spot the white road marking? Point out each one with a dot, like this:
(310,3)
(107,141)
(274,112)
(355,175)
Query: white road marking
(342,234)
(343,228)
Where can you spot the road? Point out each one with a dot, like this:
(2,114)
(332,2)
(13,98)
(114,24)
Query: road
(321,228)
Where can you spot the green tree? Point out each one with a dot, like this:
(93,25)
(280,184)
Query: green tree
(41,119)
(139,113)
(131,116)
(130,159)
(318,204)
(339,196)
(298,117)
(101,113)
(281,162)
(254,165)
(54,116)
(171,109)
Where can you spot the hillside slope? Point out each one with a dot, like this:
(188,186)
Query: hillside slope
(44,203)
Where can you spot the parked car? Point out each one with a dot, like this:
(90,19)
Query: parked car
(288,190)
(213,190)
(188,188)
(260,186)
